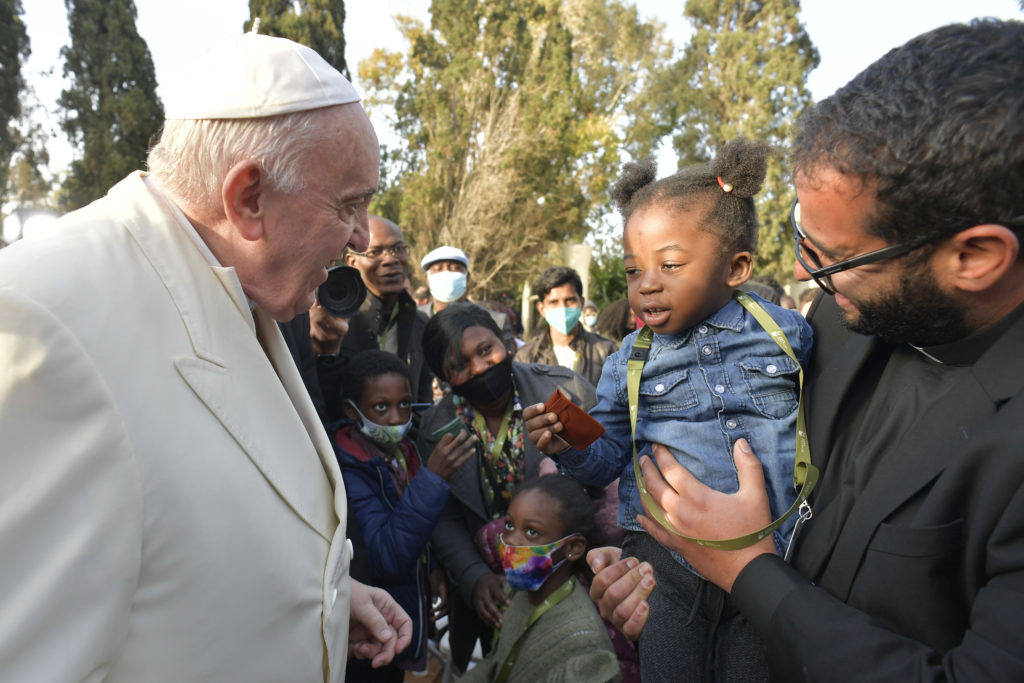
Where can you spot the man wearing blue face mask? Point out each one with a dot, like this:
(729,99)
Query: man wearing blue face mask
(565,342)
(447,270)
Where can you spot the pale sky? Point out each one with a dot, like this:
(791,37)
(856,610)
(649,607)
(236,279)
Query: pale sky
(849,36)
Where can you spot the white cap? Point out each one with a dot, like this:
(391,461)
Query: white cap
(445,254)
(253,76)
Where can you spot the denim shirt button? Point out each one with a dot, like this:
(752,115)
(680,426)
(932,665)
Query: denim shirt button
(703,329)
(730,423)
(706,350)
(659,387)
(772,369)
(719,389)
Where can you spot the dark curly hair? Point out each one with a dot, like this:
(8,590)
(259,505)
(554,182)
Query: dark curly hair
(366,365)
(935,128)
(740,166)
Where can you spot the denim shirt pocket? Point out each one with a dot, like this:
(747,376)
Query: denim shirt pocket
(667,394)
(773,384)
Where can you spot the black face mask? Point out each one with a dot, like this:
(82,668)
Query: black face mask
(488,386)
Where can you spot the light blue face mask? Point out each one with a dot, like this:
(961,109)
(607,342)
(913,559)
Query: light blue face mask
(589,321)
(563,319)
(384,437)
(447,285)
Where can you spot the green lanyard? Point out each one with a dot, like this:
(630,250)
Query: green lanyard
(499,438)
(805,475)
(560,594)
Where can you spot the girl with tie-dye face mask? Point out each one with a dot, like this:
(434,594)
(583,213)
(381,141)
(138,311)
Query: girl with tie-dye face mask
(551,629)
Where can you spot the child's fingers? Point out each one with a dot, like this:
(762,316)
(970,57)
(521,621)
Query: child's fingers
(532,411)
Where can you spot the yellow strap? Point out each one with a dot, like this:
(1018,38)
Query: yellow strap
(805,474)
(499,439)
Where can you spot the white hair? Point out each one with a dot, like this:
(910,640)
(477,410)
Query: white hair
(194,155)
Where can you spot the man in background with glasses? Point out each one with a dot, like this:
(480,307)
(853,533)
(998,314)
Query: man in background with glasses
(910,563)
(388,319)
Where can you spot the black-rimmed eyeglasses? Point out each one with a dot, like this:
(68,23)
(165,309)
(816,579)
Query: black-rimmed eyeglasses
(377,253)
(809,260)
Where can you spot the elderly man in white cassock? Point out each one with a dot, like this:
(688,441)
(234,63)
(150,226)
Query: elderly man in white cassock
(170,507)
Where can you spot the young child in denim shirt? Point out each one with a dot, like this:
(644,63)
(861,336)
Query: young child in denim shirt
(713,375)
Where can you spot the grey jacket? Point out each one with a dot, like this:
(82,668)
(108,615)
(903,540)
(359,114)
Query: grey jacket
(469,506)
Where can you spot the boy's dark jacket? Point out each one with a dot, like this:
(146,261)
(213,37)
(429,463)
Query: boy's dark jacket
(390,534)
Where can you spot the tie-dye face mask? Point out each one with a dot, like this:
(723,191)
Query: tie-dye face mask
(527,567)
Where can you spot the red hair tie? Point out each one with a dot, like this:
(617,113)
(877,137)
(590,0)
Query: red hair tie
(726,187)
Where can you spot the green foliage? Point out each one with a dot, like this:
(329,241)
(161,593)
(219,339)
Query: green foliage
(512,116)
(14,49)
(744,73)
(314,23)
(607,281)
(111,107)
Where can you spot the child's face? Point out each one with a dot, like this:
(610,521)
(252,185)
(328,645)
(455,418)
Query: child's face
(675,272)
(386,400)
(533,518)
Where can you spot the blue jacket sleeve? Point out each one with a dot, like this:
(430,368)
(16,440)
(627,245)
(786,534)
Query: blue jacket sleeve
(603,461)
(395,531)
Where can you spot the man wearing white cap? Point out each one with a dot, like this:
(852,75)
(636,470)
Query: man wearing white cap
(170,506)
(447,270)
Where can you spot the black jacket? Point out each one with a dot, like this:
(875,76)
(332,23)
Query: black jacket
(924,580)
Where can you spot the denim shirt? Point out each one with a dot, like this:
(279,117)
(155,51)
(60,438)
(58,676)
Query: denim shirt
(700,391)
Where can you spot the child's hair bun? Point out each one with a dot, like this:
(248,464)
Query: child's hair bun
(741,165)
(635,176)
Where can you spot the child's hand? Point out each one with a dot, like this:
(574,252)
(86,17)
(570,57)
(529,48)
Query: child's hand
(543,428)
(450,453)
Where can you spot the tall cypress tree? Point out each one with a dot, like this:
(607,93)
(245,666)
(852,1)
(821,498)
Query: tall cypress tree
(14,49)
(111,107)
(314,23)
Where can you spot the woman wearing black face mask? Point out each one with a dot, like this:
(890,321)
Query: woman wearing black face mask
(463,346)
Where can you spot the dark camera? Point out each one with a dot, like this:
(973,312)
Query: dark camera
(343,292)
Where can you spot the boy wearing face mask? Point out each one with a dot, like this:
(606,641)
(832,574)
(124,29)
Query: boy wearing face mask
(447,270)
(564,340)
(394,500)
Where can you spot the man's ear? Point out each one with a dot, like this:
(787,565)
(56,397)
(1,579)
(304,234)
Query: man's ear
(350,259)
(243,194)
(741,265)
(975,259)
(540,308)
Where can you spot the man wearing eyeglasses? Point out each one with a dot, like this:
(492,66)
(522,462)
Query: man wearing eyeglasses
(910,563)
(388,319)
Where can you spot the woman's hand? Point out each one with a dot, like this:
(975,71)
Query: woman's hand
(451,453)
(490,598)
(543,429)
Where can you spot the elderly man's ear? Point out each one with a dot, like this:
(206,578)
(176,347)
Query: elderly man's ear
(978,258)
(243,194)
